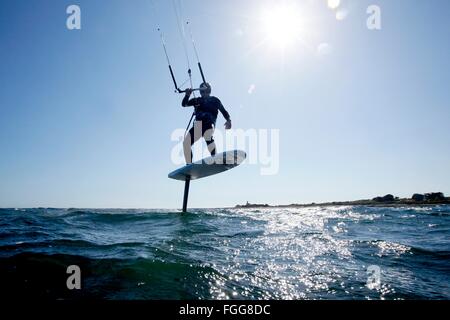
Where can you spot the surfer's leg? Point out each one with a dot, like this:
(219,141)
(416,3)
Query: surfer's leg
(208,135)
(187,146)
(193,135)
(211,147)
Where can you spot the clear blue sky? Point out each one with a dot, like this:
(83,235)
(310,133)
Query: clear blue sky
(86,116)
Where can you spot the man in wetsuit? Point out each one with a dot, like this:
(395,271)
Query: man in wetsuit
(206,110)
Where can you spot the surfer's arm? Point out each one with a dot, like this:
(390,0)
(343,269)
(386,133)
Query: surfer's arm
(188,103)
(224,112)
(185,101)
(226,115)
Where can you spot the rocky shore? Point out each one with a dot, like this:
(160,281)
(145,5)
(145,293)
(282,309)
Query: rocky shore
(434,198)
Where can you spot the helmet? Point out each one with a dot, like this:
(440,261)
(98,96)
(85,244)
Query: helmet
(205,87)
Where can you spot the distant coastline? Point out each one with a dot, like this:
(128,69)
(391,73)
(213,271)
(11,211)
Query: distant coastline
(435,198)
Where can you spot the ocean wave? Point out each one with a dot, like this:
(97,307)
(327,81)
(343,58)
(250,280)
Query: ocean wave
(226,253)
(139,278)
(386,248)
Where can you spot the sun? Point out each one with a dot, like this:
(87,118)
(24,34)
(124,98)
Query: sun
(282,25)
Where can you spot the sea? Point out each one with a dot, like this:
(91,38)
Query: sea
(307,253)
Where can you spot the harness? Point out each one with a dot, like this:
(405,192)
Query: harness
(205,117)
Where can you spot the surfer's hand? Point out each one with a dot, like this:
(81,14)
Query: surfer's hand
(228,125)
(188,92)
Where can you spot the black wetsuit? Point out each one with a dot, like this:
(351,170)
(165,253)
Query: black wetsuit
(206,111)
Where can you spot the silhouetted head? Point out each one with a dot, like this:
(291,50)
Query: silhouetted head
(205,89)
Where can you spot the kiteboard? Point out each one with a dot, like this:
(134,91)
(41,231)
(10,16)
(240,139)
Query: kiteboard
(207,167)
